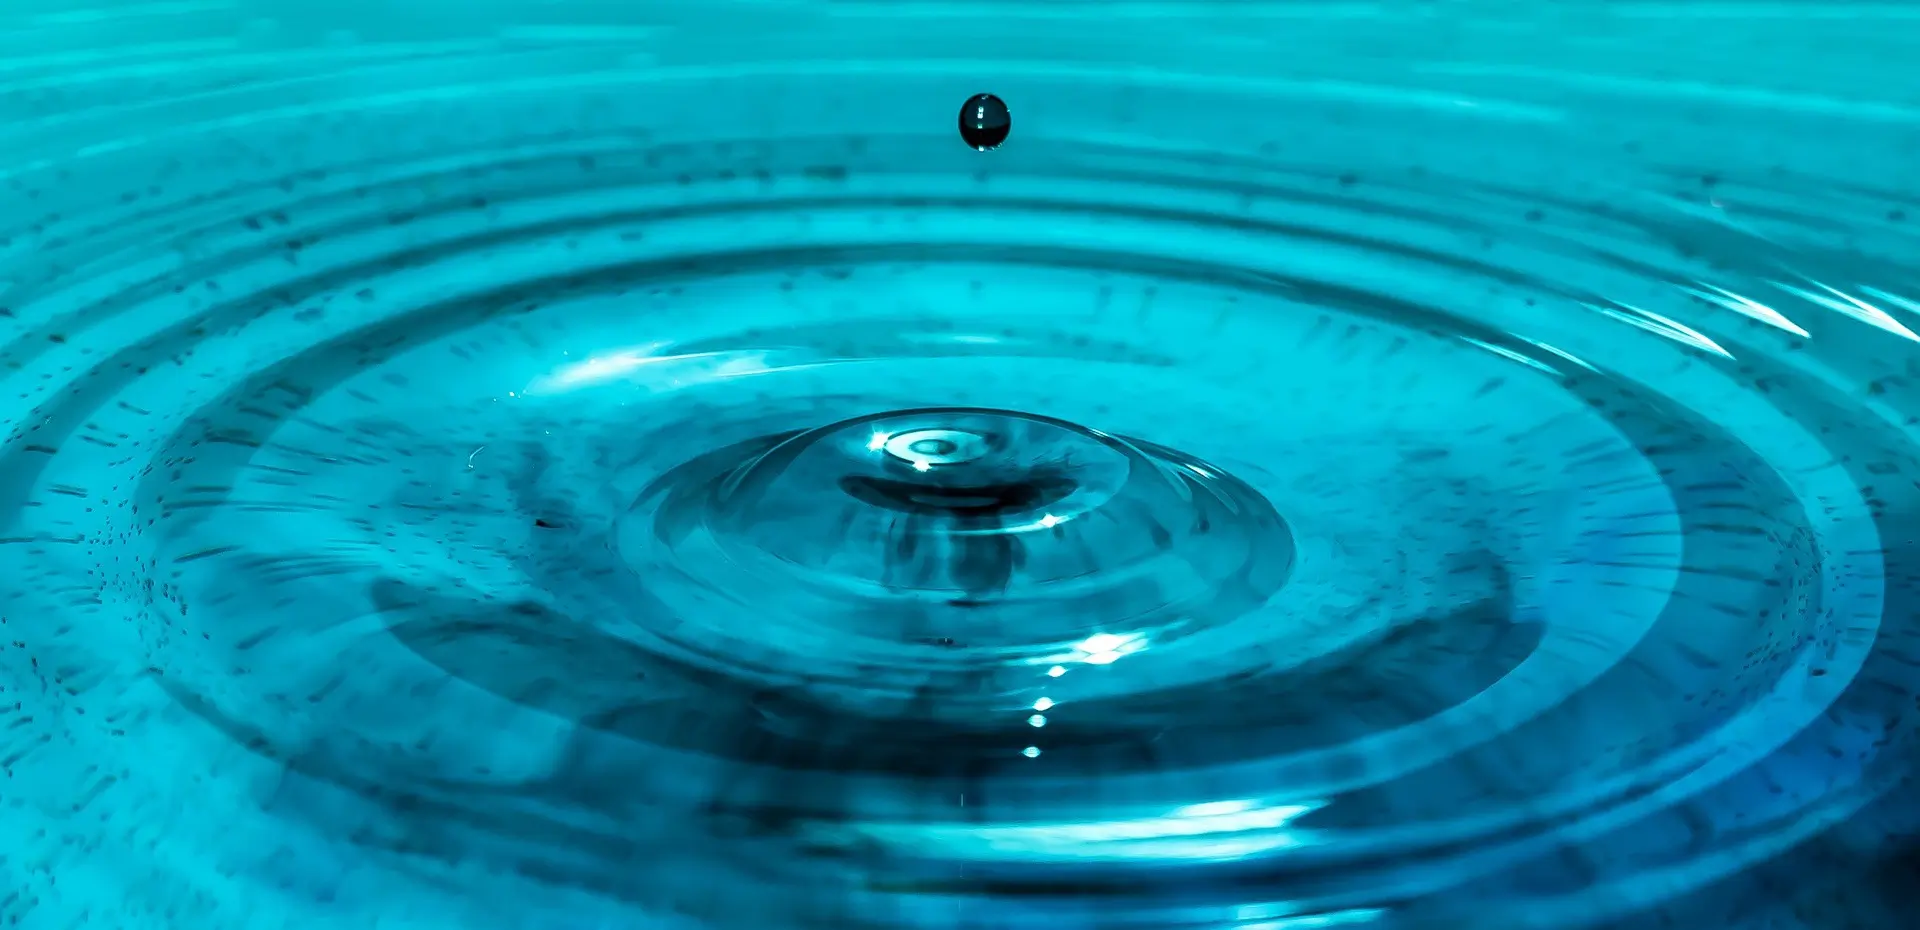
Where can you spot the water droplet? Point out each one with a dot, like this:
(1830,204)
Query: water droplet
(985,122)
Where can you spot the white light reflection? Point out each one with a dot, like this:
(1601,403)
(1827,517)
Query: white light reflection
(1511,355)
(1346,918)
(1904,303)
(601,368)
(1662,326)
(1215,809)
(1202,832)
(1044,522)
(1745,306)
(1849,305)
(1102,649)
(645,366)
(1559,352)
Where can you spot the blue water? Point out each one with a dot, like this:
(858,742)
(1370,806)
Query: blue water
(611,464)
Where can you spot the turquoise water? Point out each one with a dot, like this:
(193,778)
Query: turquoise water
(600,465)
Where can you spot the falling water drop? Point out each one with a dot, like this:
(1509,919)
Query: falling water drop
(985,122)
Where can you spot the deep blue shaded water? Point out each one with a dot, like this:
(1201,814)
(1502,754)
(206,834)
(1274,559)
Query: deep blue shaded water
(599,465)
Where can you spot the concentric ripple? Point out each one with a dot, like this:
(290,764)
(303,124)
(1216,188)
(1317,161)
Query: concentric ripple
(525,466)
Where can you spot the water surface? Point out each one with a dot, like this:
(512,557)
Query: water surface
(563,466)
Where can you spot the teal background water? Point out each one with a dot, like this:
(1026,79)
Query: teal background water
(1515,525)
